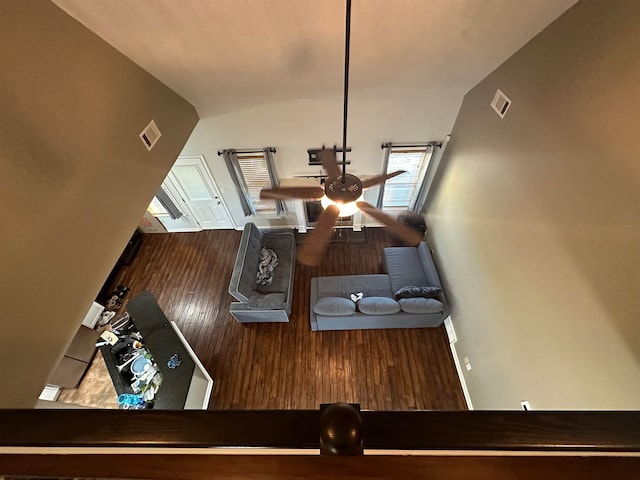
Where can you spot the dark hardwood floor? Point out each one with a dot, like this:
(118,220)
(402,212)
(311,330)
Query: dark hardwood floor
(286,365)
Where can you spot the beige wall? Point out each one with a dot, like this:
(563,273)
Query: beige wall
(536,221)
(75,179)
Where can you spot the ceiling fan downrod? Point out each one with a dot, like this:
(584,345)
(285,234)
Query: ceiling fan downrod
(346,89)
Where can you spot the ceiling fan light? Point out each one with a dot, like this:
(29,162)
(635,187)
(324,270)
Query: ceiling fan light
(349,209)
(346,209)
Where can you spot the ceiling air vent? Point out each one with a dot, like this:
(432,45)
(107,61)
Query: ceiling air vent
(500,103)
(150,135)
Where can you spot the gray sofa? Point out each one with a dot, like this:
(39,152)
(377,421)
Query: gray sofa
(263,303)
(405,266)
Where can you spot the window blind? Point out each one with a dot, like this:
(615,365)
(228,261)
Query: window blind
(403,191)
(256,177)
(252,171)
(400,191)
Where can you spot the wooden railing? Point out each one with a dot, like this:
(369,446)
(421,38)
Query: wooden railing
(424,444)
(547,431)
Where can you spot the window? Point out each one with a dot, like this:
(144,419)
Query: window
(405,191)
(156,208)
(255,173)
(163,204)
(252,171)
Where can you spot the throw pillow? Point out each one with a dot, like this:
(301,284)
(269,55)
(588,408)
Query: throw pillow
(420,305)
(412,291)
(356,296)
(266,266)
(334,306)
(378,306)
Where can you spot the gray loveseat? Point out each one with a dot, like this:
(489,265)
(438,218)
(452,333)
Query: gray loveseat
(331,307)
(263,303)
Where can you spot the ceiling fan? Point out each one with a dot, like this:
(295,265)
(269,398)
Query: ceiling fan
(341,194)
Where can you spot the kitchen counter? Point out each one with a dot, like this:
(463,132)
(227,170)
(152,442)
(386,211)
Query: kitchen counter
(163,340)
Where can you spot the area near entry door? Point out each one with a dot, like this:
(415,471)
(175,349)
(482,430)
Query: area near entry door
(182,220)
(195,185)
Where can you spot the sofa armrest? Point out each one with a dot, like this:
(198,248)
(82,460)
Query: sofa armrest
(431,273)
(313,299)
(428,265)
(238,286)
(243,314)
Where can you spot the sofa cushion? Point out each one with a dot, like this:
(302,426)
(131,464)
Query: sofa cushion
(412,291)
(404,267)
(266,301)
(334,306)
(421,305)
(378,306)
(343,286)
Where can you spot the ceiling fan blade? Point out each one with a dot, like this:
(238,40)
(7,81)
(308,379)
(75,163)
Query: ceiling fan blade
(284,193)
(408,235)
(329,162)
(370,182)
(316,243)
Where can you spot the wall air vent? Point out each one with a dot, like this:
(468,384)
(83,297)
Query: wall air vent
(150,135)
(500,103)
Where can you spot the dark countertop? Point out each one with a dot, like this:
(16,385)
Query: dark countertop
(162,342)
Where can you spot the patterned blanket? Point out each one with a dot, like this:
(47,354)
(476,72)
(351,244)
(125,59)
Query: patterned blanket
(268,263)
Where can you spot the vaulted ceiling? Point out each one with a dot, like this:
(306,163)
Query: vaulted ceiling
(226,55)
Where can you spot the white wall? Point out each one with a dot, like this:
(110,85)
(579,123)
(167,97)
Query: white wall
(296,126)
(536,221)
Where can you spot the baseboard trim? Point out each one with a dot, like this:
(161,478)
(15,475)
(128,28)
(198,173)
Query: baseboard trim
(454,353)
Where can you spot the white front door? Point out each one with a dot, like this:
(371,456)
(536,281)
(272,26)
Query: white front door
(193,181)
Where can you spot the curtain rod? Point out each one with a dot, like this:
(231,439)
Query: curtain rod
(411,145)
(269,149)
